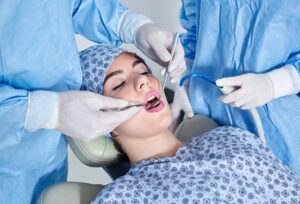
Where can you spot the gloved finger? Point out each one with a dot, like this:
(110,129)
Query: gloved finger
(247,98)
(108,102)
(181,67)
(176,74)
(187,108)
(176,62)
(175,107)
(248,105)
(241,102)
(234,96)
(116,118)
(160,50)
(230,81)
(163,71)
(184,102)
(175,110)
(175,79)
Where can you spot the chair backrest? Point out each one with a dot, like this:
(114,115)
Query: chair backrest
(101,151)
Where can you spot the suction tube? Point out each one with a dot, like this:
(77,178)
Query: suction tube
(227,90)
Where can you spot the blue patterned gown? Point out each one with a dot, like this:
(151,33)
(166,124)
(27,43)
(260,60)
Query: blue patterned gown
(225,165)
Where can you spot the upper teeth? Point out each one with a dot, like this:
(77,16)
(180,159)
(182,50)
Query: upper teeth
(151,99)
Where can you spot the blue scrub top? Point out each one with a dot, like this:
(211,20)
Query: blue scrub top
(38,52)
(229,38)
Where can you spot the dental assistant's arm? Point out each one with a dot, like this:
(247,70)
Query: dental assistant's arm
(188,21)
(106,21)
(110,21)
(73,113)
(258,89)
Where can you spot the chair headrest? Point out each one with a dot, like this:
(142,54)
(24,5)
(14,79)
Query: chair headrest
(102,152)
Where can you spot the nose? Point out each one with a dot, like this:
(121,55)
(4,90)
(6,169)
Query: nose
(142,82)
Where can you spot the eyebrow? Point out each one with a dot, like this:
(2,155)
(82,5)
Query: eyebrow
(136,62)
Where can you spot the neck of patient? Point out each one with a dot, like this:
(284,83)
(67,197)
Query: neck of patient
(164,144)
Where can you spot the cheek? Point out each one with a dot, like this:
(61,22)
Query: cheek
(125,93)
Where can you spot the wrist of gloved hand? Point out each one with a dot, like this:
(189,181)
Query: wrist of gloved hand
(129,24)
(42,112)
(285,81)
(158,44)
(181,104)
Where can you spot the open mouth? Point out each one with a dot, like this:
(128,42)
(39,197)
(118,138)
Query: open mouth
(152,102)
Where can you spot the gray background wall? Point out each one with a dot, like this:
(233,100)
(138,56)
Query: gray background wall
(165,14)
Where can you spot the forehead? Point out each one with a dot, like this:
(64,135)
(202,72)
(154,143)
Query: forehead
(123,61)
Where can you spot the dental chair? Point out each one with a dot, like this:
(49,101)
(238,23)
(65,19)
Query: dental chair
(101,152)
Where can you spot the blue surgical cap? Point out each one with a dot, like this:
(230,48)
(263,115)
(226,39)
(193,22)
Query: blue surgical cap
(95,62)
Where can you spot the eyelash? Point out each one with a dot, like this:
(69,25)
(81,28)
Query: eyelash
(118,86)
(122,84)
(145,73)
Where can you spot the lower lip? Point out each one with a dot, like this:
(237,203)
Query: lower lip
(158,108)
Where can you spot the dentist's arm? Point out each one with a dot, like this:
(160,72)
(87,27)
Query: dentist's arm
(188,20)
(255,90)
(13,108)
(75,113)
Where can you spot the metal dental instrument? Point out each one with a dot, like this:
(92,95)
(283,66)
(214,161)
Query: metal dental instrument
(116,109)
(172,55)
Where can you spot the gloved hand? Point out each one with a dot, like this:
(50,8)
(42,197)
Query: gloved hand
(181,103)
(75,113)
(253,90)
(157,44)
(79,116)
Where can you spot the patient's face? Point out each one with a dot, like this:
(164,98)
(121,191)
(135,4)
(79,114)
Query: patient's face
(127,78)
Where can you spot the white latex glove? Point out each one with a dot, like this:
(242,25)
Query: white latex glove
(253,90)
(79,116)
(157,44)
(75,113)
(180,103)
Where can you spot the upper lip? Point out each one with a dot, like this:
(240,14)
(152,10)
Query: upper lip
(150,94)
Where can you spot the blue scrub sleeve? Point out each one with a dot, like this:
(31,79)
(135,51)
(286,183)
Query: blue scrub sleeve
(105,21)
(21,110)
(97,20)
(188,19)
(13,109)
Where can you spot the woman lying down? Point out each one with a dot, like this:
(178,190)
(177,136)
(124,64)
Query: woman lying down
(225,165)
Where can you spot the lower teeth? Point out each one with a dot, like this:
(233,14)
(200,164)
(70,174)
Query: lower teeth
(153,104)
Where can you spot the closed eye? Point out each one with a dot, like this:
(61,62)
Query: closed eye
(145,73)
(122,84)
(118,86)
